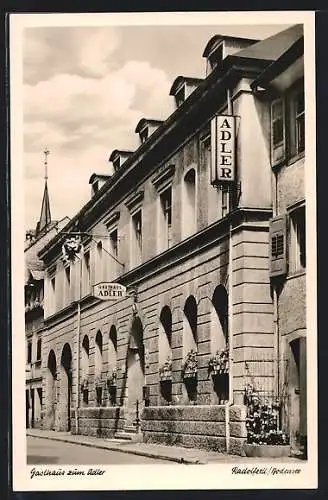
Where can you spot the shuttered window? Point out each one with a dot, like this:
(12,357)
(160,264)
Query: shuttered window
(278,254)
(277,132)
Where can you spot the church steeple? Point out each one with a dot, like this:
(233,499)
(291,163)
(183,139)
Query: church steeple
(45,216)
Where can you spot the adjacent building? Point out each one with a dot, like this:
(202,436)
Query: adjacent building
(194,226)
(34,309)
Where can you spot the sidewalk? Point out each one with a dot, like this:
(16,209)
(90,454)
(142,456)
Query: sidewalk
(157,451)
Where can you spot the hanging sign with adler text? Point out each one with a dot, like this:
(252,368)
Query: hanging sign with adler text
(223,138)
(109,291)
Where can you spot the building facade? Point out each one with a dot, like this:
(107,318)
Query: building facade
(34,309)
(183,224)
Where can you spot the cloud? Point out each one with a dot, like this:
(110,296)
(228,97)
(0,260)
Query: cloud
(83,51)
(82,119)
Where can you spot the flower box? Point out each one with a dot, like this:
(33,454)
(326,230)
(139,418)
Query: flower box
(189,369)
(219,363)
(84,385)
(99,383)
(112,379)
(165,376)
(165,372)
(267,450)
(190,374)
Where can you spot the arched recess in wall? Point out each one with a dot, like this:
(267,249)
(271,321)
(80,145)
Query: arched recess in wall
(219,343)
(51,390)
(219,319)
(190,337)
(85,369)
(112,348)
(189,203)
(66,387)
(165,335)
(98,354)
(85,357)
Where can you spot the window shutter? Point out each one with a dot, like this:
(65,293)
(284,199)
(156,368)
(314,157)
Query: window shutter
(278,134)
(278,247)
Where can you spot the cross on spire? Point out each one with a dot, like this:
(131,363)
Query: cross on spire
(46,153)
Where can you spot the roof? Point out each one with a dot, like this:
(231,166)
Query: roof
(119,152)
(273,47)
(98,176)
(45,215)
(184,79)
(216,39)
(215,80)
(280,65)
(145,121)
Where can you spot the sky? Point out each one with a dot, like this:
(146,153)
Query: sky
(86,88)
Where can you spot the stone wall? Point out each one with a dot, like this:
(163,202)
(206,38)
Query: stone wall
(98,422)
(196,426)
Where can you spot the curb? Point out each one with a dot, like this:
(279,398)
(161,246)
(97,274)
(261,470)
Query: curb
(180,460)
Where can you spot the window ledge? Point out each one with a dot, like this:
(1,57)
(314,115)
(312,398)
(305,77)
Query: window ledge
(296,274)
(295,158)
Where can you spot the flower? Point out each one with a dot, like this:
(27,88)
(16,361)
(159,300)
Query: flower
(112,377)
(84,384)
(262,422)
(98,381)
(219,363)
(190,364)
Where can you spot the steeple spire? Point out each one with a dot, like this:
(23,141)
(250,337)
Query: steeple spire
(45,216)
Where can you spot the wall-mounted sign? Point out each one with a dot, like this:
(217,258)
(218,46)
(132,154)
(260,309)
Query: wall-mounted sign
(223,138)
(109,291)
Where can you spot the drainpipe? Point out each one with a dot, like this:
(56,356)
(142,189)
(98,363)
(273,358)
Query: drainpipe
(230,318)
(77,406)
(230,336)
(275,296)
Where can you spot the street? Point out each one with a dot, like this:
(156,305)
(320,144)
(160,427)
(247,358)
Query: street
(45,451)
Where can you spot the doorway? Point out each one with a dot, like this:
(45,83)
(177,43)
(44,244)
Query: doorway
(136,371)
(66,388)
(51,391)
(297,394)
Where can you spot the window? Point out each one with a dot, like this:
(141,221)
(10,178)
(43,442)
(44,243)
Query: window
(143,135)
(67,284)
(86,273)
(297,250)
(277,131)
(52,298)
(189,204)
(38,350)
(165,223)
(180,96)
(300,122)
(137,238)
(29,352)
(288,125)
(99,262)
(278,253)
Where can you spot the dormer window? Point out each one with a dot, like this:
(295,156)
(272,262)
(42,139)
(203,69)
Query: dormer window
(118,157)
(117,163)
(145,127)
(220,46)
(143,135)
(180,96)
(97,181)
(182,87)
